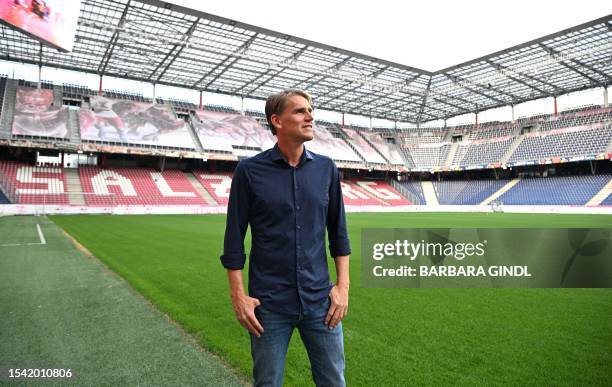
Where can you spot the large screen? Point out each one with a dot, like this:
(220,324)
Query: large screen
(53,22)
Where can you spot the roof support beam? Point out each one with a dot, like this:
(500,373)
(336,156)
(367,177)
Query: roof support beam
(471,88)
(373,75)
(269,74)
(502,68)
(230,58)
(322,76)
(554,52)
(110,47)
(179,49)
(422,107)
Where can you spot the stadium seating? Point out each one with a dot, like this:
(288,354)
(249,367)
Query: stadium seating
(563,144)
(466,191)
(379,190)
(140,187)
(488,152)
(558,190)
(217,184)
(35,185)
(147,187)
(414,191)
(3,199)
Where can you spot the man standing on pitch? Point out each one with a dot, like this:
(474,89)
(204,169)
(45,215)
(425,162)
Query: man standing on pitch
(289,196)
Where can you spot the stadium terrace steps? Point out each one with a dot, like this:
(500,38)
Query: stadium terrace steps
(3,80)
(411,190)
(58,95)
(517,142)
(73,126)
(8,111)
(602,195)
(368,191)
(200,189)
(73,184)
(451,154)
(217,185)
(193,134)
(383,191)
(607,201)
(3,199)
(429,193)
(501,191)
(466,192)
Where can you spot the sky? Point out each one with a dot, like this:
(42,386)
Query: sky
(430,35)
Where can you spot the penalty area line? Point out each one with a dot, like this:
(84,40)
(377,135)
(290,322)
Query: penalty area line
(41,237)
(43,241)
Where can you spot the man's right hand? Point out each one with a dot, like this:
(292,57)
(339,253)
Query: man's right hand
(244,307)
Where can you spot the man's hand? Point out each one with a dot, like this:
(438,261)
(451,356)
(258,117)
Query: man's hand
(244,307)
(338,308)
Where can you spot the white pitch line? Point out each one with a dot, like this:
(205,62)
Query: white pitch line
(43,241)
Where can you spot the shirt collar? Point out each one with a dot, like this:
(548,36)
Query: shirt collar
(276,155)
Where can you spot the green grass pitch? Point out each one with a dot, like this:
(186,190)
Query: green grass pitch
(393,337)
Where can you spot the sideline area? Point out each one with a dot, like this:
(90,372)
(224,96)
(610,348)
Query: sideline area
(64,310)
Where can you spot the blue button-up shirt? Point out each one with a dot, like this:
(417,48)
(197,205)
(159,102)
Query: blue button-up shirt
(288,210)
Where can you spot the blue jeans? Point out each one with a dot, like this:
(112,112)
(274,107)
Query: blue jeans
(325,347)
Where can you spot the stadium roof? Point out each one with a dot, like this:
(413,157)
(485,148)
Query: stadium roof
(162,43)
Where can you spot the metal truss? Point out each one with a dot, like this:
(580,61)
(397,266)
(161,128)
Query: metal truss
(161,43)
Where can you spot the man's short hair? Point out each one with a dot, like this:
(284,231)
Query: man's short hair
(276,103)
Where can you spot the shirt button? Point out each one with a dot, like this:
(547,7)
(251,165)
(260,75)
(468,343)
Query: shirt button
(297,208)
(299,227)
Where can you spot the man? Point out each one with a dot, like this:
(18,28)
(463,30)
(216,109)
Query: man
(289,196)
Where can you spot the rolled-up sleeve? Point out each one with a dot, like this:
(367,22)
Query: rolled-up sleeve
(336,219)
(237,220)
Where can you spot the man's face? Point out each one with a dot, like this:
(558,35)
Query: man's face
(296,121)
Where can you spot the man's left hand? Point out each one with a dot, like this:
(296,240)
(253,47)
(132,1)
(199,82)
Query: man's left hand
(338,308)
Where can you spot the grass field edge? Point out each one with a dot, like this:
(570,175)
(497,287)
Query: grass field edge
(190,336)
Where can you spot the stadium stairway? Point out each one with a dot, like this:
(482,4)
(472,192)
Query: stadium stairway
(8,110)
(373,146)
(512,148)
(430,193)
(501,191)
(451,154)
(58,95)
(368,191)
(73,185)
(193,134)
(200,189)
(3,198)
(601,196)
(74,127)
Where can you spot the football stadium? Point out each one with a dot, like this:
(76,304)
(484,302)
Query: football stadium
(113,200)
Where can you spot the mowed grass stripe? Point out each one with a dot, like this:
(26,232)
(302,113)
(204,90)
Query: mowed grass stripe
(61,309)
(393,336)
